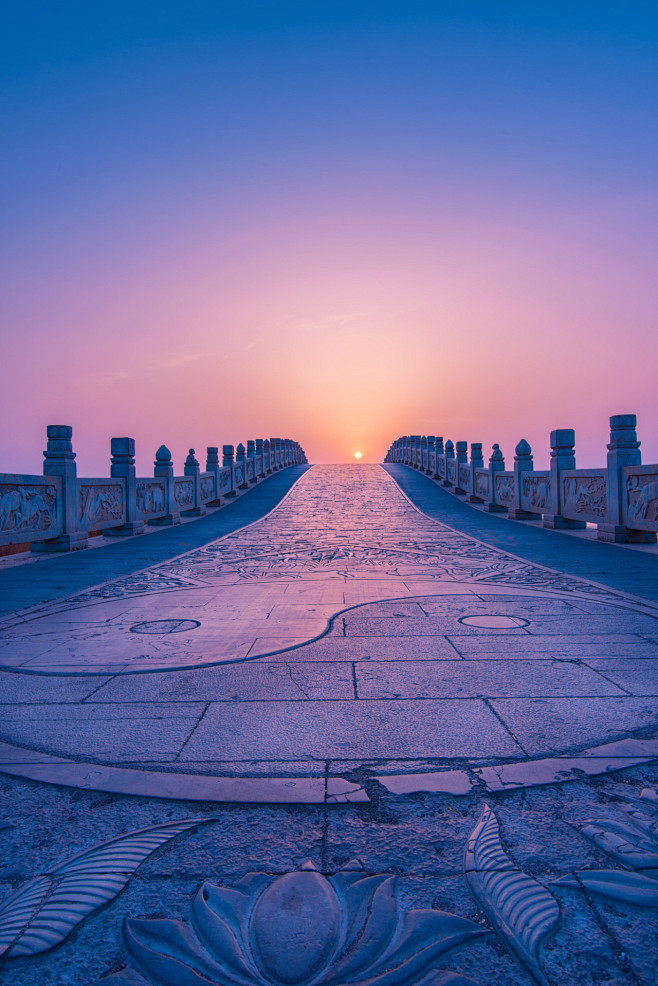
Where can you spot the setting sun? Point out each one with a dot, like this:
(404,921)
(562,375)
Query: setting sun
(358,455)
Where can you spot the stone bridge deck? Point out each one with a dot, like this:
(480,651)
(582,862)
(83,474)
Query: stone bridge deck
(346,628)
(340,635)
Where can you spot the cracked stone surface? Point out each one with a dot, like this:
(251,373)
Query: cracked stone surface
(345,678)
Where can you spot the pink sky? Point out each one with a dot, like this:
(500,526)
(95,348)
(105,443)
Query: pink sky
(337,236)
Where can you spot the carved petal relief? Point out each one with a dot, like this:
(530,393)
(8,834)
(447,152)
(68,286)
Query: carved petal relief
(301,927)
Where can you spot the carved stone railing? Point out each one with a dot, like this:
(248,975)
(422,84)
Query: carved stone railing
(621,499)
(57,511)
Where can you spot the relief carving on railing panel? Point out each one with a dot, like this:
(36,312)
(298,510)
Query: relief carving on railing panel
(585,496)
(465,477)
(207,487)
(441,466)
(536,492)
(482,484)
(505,489)
(239,475)
(150,498)
(184,492)
(224,480)
(100,504)
(452,470)
(641,507)
(250,469)
(25,507)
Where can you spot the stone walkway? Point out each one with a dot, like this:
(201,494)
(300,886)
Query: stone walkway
(347,650)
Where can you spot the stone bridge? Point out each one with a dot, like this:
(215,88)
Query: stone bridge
(346,664)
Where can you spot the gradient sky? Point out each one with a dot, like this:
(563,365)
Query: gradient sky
(337,221)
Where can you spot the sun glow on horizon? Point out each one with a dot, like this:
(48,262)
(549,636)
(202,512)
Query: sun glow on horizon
(358,455)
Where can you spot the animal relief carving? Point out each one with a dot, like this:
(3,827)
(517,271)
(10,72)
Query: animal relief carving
(642,498)
(207,487)
(481,484)
(100,503)
(27,508)
(536,489)
(584,495)
(150,498)
(505,489)
(184,492)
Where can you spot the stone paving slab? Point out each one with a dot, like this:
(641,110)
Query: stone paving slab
(338,729)
(474,679)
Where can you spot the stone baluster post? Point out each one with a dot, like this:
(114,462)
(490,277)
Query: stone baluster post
(212,465)
(123,466)
(462,459)
(59,460)
(431,454)
(477,462)
(228,462)
(193,471)
(267,452)
(440,454)
(241,465)
(251,455)
(274,453)
(164,469)
(415,456)
(424,447)
(496,464)
(623,450)
(523,462)
(563,456)
(449,454)
(260,458)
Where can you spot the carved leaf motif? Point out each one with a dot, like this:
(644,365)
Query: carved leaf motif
(41,913)
(521,909)
(625,841)
(619,885)
(634,843)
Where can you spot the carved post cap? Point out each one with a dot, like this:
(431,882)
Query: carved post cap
(496,454)
(240,450)
(259,444)
(450,449)
(462,451)
(266,444)
(622,432)
(439,444)
(431,439)
(251,446)
(212,456)
(476,454)
(59,444)
(562,438)
(61,432)
(163,456)
(191,459)
(523,452)
(122,447)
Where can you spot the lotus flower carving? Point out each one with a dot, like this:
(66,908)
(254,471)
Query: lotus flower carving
(298,929)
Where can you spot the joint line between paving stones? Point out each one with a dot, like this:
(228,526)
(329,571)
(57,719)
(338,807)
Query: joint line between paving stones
(191,733)
(500,719)
(354,681)
(611,682)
